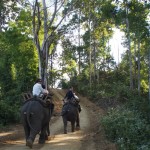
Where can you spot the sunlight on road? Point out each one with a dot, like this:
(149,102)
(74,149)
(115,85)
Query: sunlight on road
(70,141)
(55,142)
(5,134)
(65,139)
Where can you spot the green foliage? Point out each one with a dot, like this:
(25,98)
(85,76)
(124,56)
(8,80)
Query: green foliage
(64,84)
(127,128)
(9,113)
(8,11)
(108,9)
(139,104)
(18,65)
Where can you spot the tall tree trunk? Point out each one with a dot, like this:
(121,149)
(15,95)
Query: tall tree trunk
(130,60)
(90,49)
(0,22)
(36,28)
(139,68)
(129,47)
(149,69)
(118,53)
(135,66)
(90,63)
(94,51)
(51,68)
(0,28)
(45,45)
(79,51)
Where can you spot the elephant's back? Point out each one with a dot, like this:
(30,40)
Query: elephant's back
(24,107)
(71,112)
(35,107)
(32,106)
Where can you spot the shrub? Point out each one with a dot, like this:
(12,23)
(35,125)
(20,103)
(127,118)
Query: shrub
(9,113)
(126,128)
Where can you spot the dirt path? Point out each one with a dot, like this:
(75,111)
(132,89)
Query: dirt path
(90,137)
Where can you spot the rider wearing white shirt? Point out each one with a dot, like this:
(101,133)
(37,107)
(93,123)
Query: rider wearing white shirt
(38,90)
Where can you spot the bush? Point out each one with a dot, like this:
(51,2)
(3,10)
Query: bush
(139,104)
(9,113)
(127,129)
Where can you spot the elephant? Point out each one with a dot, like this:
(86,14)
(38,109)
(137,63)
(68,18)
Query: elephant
(35,115)
(70,112)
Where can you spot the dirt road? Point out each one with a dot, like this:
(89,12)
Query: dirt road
(90,137)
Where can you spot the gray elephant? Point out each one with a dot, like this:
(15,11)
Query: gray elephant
(70,112)
(36,114)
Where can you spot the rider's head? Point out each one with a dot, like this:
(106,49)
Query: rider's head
(71,88)
(39,81)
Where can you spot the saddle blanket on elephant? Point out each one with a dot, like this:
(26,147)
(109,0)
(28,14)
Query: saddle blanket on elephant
(65,109)
(42,102)
(72,100)
(67,106)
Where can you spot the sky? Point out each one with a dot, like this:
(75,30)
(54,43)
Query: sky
(116,45)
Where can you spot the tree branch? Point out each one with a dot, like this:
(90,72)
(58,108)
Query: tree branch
(36,31)
(54,14)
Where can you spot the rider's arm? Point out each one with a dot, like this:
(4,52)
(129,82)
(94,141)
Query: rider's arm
(44,91)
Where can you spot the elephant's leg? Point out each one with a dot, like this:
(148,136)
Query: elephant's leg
(43,136)
(27,132)
(33,132)
(29,142)
(72,126)
(50,114)
(78,122)
(65,125)
(31,138)
(79,108)
(48,130)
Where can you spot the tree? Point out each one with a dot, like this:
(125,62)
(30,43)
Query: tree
(8,11)
(47,28)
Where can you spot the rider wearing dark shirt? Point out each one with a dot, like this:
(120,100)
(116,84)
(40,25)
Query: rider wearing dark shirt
(69,94)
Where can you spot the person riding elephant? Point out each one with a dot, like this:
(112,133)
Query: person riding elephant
(40,93)
(38,90)
(70,97)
